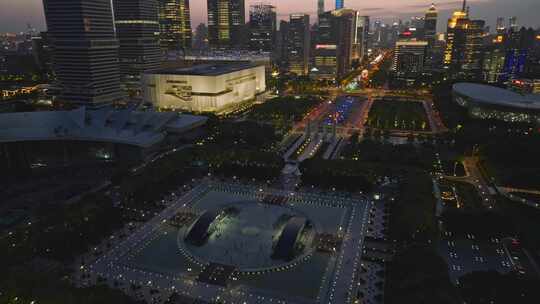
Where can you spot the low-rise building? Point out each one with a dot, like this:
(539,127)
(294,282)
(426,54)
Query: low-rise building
(488,102)
(51,138)
(204,88)
(525,86)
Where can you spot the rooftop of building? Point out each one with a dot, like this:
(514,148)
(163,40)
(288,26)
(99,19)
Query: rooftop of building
(497,96)
(209,69)
(130,127)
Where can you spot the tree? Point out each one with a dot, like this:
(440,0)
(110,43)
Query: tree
(493,287)
(418,275)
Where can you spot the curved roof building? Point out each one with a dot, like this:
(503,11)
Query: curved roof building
(61,138)
(128,127)
(489,102)
(199,232)
(285,245)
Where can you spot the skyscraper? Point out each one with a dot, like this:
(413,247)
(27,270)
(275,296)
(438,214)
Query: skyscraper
(174,25)
(430,25)
(340,4)
(430,32)
(320,7)
(417,27)
(501,28)
(226,23)
(493,65)
(85,51)
(335,45)
(474,50)
(41,50)
(282,45)
(262,27)
(513,24)
(362,36)
(464,43)
(136,27)
(298,44)
(456,35)
(409,57)
(346,32)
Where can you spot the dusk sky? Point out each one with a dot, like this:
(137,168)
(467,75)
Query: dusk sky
(14,14)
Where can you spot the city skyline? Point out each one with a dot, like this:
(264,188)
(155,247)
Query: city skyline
(288,151)
(15,15)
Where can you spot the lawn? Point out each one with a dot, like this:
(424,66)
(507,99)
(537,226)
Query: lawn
(468,196)
(398,115)
(283,112)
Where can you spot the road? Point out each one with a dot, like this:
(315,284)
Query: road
(507,191)
(475,177)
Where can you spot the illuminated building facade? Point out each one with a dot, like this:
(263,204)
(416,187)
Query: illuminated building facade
(525,86)
(336,42)
(430,32)
(456,36)
(362,36)
(206,87)
(514,64)
(226,23)
(494,58)
(298,44)
(136,28)
(488,102)
(409,57)
(262,27)
(472,69)
(464,42)
(174,25)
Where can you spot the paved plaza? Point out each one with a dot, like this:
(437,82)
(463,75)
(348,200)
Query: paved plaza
(234,264)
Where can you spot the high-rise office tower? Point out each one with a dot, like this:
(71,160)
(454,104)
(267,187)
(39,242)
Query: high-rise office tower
(501,28)
(85,51)
(325,51)
(320,7)
(335,45)
(340,4)
(226,23)
(41,50)
(174,25)
(282,45)
(430,32)
(362,36)
(298,44)
(474,50)
(493,64)
(513,24)
(346,29)
(520,54)
(418,27)
(430,25)
(456,35)
(464,42)
(262,27)
(409,57)
(136,28)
